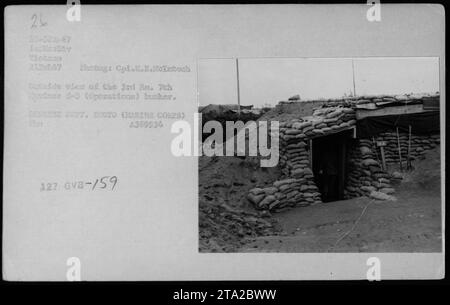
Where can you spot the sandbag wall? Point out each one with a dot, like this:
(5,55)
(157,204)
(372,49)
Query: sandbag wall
(366,176)
(296,187)
(419,145)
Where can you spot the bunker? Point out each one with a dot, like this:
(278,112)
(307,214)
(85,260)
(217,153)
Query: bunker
(345,148)
(329,164)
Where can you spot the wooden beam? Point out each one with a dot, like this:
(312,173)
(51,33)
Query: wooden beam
(238,88)
(394,110)
(332,132)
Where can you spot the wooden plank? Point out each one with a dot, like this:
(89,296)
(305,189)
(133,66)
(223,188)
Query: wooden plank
(332,132)
(395,110)
(238,90)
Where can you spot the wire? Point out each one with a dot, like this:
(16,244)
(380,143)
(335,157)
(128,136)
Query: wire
(353,227)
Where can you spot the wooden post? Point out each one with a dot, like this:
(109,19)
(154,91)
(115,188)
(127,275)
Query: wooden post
(399,150)
(238,89)
(353,71)
(382,144)
(408,160)
(311,154)
(376,152)
(383,160)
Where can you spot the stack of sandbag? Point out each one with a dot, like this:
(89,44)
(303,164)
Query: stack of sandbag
(381,100)
(365,173)
(381,196)
(294,157)
(327,120)
(365,177)
(294,152)
(324,121)
(297,188)
(285,193)
(396,177)
(368,101)
(419,145)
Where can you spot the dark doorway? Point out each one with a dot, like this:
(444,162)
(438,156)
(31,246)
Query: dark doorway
(329,164)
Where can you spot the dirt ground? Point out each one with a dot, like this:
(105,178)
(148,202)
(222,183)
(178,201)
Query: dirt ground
(410,224)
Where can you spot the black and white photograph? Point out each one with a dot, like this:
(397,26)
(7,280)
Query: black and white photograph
(223,143)
(359,165)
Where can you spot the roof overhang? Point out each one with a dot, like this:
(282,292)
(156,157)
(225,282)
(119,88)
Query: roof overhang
(393,110)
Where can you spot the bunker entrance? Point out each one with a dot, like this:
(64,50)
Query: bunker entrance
(329,164)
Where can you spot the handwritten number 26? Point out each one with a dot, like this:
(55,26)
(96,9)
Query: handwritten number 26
(36,21)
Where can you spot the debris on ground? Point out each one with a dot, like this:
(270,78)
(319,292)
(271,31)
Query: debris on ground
(226,218)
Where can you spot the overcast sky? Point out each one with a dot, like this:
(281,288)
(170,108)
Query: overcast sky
(270,80)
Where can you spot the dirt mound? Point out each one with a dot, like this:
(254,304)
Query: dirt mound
(226,219)
(224,229)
